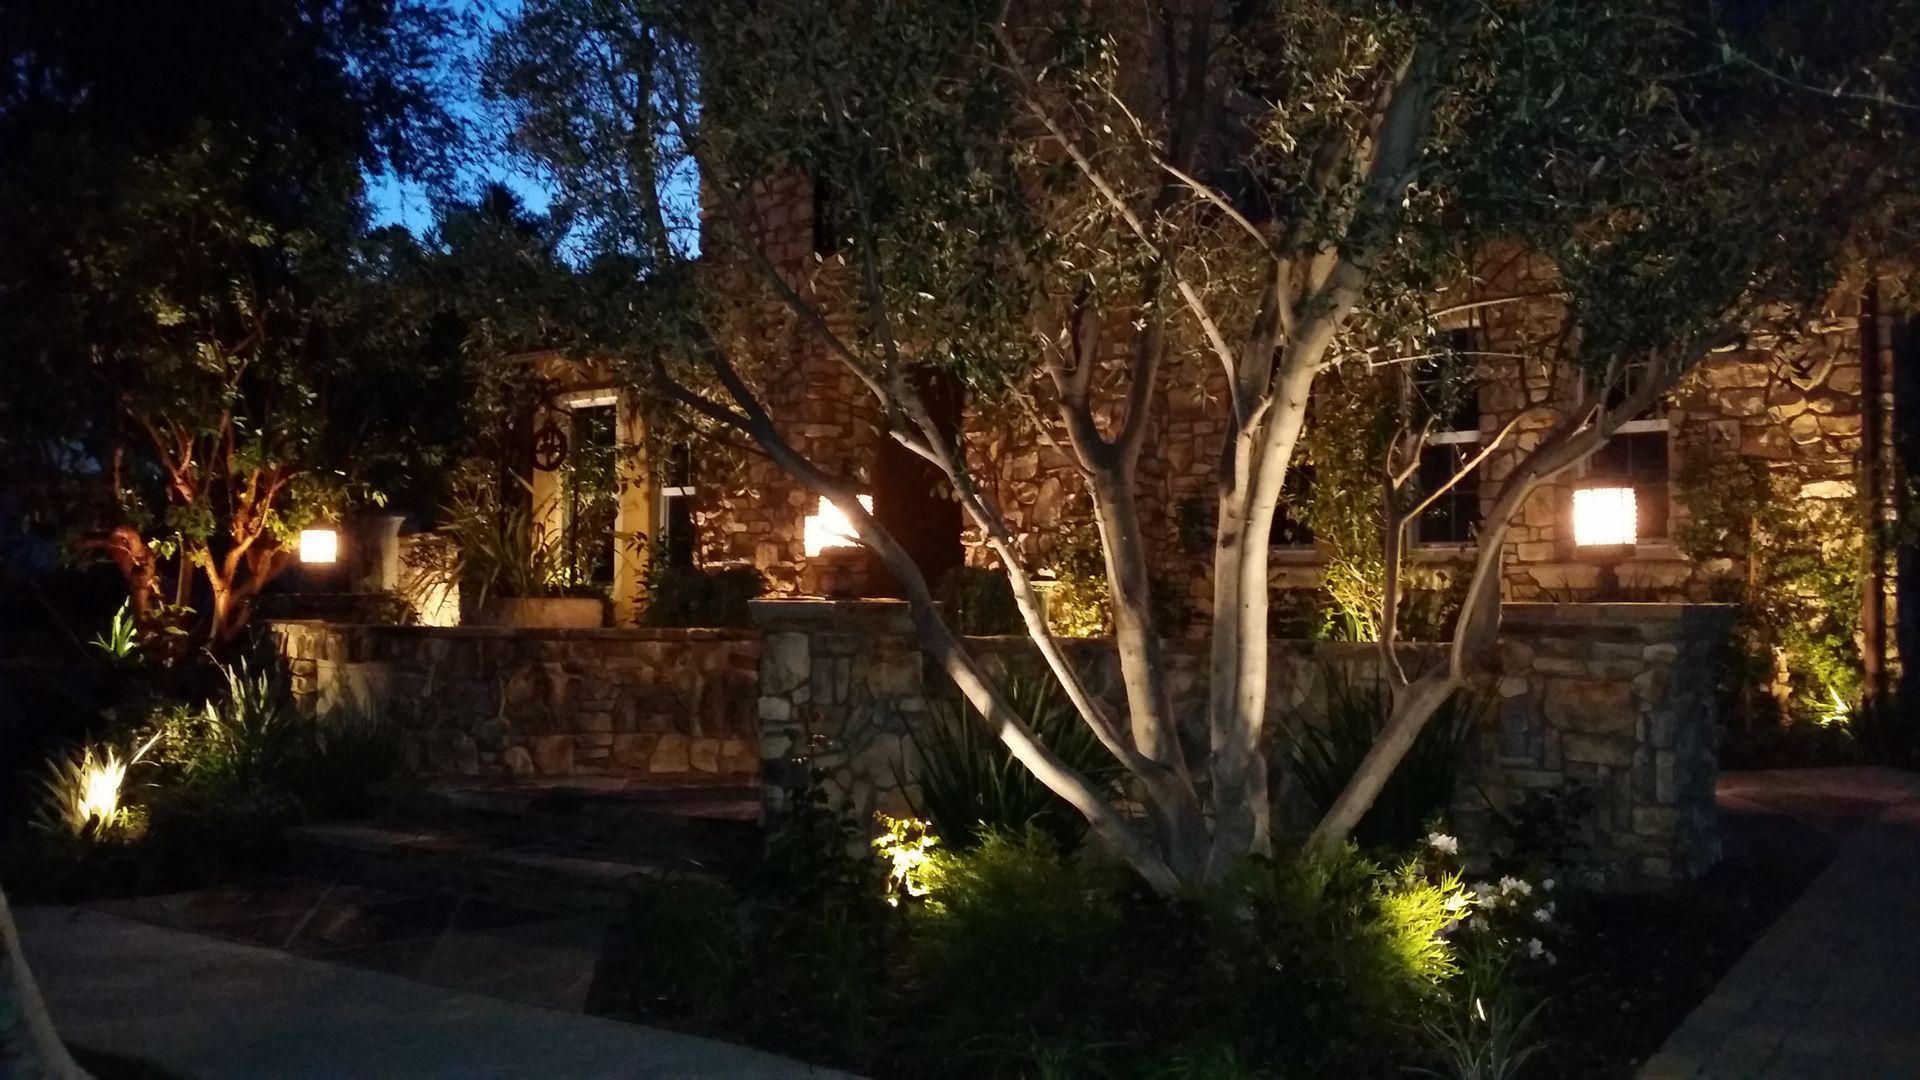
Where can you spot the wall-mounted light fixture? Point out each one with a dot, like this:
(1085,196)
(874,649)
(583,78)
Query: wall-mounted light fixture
(1606,522)
(828,528)
(320,544)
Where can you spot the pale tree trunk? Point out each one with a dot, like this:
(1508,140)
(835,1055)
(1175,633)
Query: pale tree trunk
(33,1049)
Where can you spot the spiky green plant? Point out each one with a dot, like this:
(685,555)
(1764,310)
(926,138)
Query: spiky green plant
(121,637)
(970,784)
(245,740)
(1323,759)
(81,790)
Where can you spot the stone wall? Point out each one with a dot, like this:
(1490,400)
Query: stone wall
(1616,698)
(477,701)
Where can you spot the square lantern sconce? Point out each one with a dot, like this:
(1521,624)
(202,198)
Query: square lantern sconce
(319,545)
(828,528)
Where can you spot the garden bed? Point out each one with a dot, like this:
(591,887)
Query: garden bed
(1634,966)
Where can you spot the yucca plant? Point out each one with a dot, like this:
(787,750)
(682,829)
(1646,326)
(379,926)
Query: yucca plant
(121,637)
(243,742)
(970,784)
(81,790)
(1324,759)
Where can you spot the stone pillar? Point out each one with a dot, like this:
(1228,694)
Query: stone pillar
(842,684)
(1620,699)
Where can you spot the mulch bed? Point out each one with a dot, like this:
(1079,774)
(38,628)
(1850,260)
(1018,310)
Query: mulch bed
(1632,967)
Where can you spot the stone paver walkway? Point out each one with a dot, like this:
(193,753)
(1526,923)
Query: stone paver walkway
(205,1008)
(1833,989)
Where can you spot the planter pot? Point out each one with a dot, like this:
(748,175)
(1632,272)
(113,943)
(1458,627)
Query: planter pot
(545,613)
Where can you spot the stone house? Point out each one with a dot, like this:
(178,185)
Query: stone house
(1797,406)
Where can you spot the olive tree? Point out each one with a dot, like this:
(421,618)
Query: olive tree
(1072,206)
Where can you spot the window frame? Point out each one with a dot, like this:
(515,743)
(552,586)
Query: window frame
(1456,436)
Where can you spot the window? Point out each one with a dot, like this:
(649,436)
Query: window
(677,537)
(1446,390)
(590,486)
(1637,457)
(1290,527)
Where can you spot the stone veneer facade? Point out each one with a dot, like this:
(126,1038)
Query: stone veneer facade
(1616,698)
(474,701)
(1795,405)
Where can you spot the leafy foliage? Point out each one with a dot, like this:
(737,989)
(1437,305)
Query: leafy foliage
(1796,576)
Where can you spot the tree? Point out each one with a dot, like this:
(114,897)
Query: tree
(1069,206)
(185,271)
(37,1049)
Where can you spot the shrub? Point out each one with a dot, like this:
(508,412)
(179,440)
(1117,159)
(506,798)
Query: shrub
(241,744)
(1325,759)
(970,782)
(685,948)
(1007,939)
(1323,962)
(689,596)
(979,601)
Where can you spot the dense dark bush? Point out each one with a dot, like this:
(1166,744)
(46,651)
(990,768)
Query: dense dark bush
(979,601)
(690,596)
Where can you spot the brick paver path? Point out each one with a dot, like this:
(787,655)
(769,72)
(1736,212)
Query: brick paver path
(1833,988)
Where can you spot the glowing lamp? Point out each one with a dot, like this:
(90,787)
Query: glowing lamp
(319,545)
(1605,517)
(827,527)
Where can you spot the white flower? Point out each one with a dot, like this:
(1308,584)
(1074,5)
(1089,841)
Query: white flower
(1441,842)
(1551,959)
(1452,925)
(1542,915)
(1455,902)
(1515,885)
(1482,892)
(1547,885)
(1475,922)
(1535,950)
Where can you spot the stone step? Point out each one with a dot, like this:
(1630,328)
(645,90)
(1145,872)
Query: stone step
(709,823)
(544,875)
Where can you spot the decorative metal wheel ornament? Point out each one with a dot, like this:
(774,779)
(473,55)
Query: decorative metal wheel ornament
(549,446)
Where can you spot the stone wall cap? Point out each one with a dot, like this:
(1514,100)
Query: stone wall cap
(1609,613)
(788,611)
(530,633)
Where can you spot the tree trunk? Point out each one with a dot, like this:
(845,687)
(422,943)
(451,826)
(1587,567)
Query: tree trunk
(37,1051)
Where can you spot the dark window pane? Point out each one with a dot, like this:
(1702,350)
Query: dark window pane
(1454,516)
(1290,520)
(826,236)
(1445,384)
(678,544)
(1638,460)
